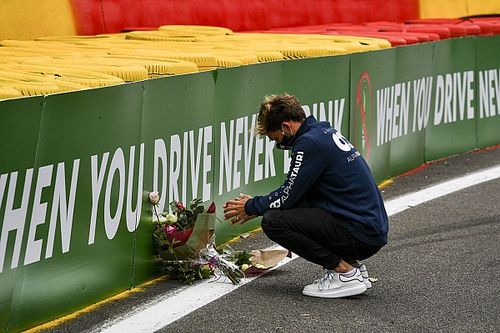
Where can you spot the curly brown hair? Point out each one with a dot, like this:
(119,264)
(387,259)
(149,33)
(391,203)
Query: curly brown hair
(275,109)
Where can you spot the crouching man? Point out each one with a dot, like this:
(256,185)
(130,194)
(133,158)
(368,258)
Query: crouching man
(329,209)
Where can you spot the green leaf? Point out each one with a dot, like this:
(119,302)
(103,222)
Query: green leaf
(242,257)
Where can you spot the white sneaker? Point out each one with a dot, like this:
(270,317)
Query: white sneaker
(335,285)
(364,273)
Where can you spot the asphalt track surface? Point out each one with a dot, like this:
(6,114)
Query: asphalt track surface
(439,273)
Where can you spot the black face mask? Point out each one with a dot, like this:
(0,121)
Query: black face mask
(286,143)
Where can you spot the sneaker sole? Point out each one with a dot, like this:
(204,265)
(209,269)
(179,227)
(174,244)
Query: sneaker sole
(344,292)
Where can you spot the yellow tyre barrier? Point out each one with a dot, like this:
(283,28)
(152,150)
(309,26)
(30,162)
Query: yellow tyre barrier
(158,66)
(227,62)
(66,85)
(265,56)
(117,35)
(7,72)
(200,59)
(9,92)
(31,88)
(127,73)
(86,78)
(197,29)
(78,62)
(159,36)
(8,75)
(246,58)
(68,38)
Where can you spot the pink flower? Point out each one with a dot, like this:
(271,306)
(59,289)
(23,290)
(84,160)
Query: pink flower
(154,198)
(180,206)
(169,229)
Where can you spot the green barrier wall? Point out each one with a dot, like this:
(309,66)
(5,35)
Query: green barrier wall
(408,136)
(487,95)
(20,127)
(178,135)
(321,85)
(75,168)
(424,102)
(452,119)
(370,73)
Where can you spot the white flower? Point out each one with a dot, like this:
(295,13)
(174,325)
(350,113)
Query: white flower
(159,218)
(154,198)
(171,218)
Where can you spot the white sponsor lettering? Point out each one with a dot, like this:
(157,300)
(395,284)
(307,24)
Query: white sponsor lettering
(63,208)
(14,218)
(353,156)
(117,166)
(275,204)
(447,104)
(174,167)
(188,157)
(237,141)
(293,173)
(133,215)
(334,115)
(34,246)
(422,93)
(97,179)
(400,107)
(207,165)
(160,171)
(341,142)
(115,196)
(489,93)
(393,104)
(116,193)
(258,167)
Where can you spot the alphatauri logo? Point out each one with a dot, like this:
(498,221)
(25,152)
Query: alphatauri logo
(363,114)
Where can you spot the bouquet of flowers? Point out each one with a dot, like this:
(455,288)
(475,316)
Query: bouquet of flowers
(174,228)
(184,238)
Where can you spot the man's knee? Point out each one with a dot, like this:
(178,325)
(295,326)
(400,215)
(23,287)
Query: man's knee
(270,221)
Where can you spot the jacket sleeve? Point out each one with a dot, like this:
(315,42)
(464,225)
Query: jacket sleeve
(306,167)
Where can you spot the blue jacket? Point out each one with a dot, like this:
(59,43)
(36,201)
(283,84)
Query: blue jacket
(328,172)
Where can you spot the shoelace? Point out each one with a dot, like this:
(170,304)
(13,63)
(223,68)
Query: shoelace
(325,280)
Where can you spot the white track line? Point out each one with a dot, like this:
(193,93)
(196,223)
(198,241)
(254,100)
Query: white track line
(176,305)
(180,303)
(404,202)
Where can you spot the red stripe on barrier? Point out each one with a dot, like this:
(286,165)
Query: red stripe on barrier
(99,16)
(395,41)
(89,19)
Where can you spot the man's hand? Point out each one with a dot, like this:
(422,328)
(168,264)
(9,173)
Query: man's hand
(234,210)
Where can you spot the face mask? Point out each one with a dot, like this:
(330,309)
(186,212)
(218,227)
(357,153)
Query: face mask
(287,142)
